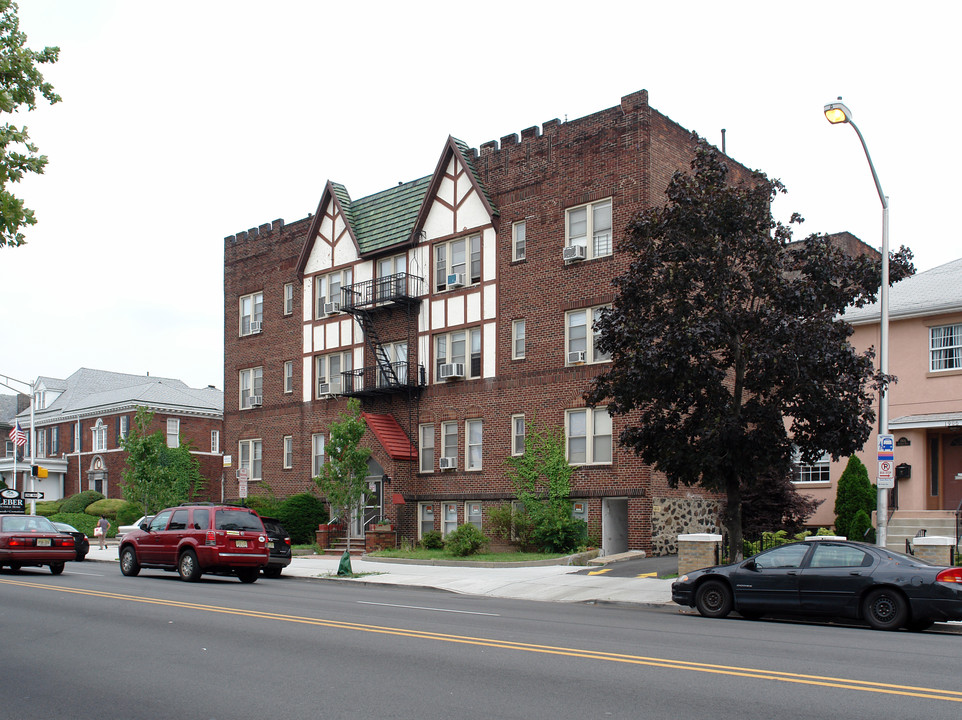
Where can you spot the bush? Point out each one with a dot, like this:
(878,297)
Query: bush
(264,505)
(129,512)
(108,507)
(465,540)
(82,521)
(854,492)
(432,540)
(48,507)
(555,531)
(860,528)
(300,515)
(78,503)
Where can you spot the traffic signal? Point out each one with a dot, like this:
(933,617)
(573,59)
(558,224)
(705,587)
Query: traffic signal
(38,472)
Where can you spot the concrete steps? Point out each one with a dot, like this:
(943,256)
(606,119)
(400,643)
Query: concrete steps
(905,524)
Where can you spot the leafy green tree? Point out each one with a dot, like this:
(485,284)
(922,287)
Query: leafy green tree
(20,82)
(775,505)
(343,475)
(542,481)
(155,475)
(854,493)
(727,343)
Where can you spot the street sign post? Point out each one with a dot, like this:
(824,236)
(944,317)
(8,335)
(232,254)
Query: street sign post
(32,495)
(886,462)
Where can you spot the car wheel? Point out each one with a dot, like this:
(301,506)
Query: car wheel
(56,568)
(272,572)
(713,599)
(920,624)
(885,609)
(128,562)
(187,566)
(248,575)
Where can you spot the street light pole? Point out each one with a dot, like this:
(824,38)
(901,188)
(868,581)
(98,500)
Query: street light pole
(836,113)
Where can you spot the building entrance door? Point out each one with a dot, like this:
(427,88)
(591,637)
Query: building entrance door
(614,526)
(952,456)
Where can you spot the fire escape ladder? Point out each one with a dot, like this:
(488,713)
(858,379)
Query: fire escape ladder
(384,365)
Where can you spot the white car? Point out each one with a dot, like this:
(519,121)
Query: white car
(124,529)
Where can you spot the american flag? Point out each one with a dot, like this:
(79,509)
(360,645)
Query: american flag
(18,436)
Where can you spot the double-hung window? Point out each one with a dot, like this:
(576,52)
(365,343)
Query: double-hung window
(251,313)
(215,441)
(250,387)
(517,434)
(461,347)
(518,240)
(473,444)
(426,448)
(391,278)
(328,370)
(41,442)
(449,440)
(55,440)
(517,340)
(581,337)
(817,472)
(289,376)
(945,347)
(99,436)
(327,291)
(457,263)
(590,227)
(249,452)
(317,453)
(288,452)
(173,432)
(289,299)
(588,432)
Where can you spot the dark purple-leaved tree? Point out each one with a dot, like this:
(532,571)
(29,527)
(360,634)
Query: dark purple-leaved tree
(726,341)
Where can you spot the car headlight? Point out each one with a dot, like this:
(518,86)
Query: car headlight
(683,578)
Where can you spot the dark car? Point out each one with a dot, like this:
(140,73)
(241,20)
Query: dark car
(32,540)
(828,578)
(279,541)
(81,541)
(198,538)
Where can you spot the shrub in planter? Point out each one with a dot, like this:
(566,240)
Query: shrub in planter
(78,503)
(432,540)
(465,540)
(300,515)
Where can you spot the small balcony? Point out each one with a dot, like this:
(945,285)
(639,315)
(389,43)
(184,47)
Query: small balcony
(401,288)
(374,380)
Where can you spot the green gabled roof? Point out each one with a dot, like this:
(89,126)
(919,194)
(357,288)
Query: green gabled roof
(466,155)
(386,218)
(344,200)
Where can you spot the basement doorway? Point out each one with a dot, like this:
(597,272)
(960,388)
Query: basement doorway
(614,526)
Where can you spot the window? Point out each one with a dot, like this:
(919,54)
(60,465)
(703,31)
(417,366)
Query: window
(518,232)
(517,434)
(173,432)
(787,556)
(449,440)
(589,436)
(251,383)
(460,346)
(328,369)
(215,441)
(517,340)
(288,452)
(99,436)
(289,376)
(55,440)
(249,452)
(472,514)
(77,446)
(327,289)
(396,354)
(579,326)
(449,518)
(819,472)
(425,518)
(317,453)
(289,299)
(123,427)
(41,442)
(426,448)
(391,278)
(826,555)
(945,347)
(590,227)
(251,313)
(473,436)
(461,257)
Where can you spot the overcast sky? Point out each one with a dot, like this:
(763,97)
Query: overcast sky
(185,122)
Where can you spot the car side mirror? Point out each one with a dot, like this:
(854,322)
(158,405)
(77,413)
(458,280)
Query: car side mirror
(749,565)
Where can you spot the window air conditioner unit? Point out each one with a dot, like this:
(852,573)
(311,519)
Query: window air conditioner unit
(449,371)
(256,400)
(455,280)
(256,326)
(324,389)
(576,358)
(331,308)
(573,253)
(448,463)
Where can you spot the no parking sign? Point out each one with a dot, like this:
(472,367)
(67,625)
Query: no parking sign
(886,461)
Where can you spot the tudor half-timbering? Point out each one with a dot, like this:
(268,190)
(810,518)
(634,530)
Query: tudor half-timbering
(456,307)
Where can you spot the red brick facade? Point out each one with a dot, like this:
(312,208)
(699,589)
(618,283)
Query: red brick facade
(626,153)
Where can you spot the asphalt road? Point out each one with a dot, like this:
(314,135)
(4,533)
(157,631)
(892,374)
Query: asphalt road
(93,644)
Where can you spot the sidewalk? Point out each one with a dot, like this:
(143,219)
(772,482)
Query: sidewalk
(552,583)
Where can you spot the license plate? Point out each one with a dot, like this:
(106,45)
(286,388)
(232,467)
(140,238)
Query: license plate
(271,544)
(241,543)
(43,542)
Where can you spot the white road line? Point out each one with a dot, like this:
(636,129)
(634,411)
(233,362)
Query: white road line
(417,607)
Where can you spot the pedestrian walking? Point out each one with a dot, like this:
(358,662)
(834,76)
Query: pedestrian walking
(103,525)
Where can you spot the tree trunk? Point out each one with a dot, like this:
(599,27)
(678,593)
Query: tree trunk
(733,518)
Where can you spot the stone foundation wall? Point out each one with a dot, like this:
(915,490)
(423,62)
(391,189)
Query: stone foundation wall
(674,516)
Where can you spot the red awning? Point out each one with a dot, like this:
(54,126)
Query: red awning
(391,436)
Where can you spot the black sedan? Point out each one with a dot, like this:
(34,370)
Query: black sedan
(279,542)
(81,542)
(828,578)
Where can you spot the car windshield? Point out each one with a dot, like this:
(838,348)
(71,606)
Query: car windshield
(64,527)
(237,520)
(27,523)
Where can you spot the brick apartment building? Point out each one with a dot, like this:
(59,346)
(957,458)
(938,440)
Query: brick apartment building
(456,307)
(78,423)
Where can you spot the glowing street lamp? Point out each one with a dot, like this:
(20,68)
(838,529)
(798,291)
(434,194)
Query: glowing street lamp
(837,113)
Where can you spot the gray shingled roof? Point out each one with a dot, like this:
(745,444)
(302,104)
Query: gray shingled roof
(88,392)
(932,292)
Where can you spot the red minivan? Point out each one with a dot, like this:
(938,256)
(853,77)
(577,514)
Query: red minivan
(198,538)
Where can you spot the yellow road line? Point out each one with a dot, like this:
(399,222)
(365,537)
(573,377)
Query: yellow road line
(599,572)
(730,670)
